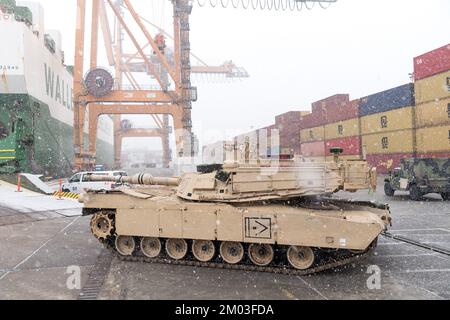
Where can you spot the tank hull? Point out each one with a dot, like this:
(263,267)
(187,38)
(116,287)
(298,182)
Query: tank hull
(331,232)
(342,225)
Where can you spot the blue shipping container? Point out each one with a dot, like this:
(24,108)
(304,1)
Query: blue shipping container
(395,98)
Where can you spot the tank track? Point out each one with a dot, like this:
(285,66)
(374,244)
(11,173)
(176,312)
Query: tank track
(325,263)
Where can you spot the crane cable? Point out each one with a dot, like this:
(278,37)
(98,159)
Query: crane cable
(276,5)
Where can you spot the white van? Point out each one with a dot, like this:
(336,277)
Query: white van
(78,183)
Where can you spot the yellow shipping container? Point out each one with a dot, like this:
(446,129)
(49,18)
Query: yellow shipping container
(388,142)
(312,134)
(433,88)
(393,120)
(435,113)
(433,139)
(342,129)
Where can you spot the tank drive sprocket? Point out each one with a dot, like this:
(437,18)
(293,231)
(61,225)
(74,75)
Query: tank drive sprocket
(103,225)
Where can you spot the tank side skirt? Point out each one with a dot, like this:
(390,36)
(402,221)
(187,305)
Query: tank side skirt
(257,227)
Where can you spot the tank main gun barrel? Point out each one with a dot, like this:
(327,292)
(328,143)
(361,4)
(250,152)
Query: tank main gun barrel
(139,179)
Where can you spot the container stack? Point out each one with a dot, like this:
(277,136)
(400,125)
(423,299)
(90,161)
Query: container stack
(312,136)
(272,141)
(412,120)
(288,125)
(333,123)
(342,128)
(387,127)
(432,86)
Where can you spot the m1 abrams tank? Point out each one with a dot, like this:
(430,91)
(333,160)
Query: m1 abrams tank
(259,218)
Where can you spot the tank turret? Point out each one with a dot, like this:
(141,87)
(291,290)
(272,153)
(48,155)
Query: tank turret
(238,183)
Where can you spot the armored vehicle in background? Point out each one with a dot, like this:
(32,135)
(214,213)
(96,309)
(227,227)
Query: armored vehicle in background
(250,217)
(419,177)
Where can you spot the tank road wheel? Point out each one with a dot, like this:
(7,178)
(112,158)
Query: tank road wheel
(415,193)
(388,190)
(203,250)
(232,252)
(300,258)
(102,225)
(151,247)
(125,245)
(261,254)
(177,249)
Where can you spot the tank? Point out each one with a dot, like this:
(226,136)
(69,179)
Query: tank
(252,217)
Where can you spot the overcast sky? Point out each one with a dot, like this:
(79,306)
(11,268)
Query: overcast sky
(358,47)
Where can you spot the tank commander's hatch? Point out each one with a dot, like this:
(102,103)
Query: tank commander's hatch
(209,168)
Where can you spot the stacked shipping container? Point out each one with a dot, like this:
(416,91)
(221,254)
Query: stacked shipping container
(432,116)
(332,123)
(288,125)
(343,127)
(406,121)
(387,122)
(312,137)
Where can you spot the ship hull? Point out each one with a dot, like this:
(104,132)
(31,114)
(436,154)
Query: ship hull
(36,141)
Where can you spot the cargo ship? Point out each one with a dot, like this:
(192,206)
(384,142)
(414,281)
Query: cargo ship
(36,104)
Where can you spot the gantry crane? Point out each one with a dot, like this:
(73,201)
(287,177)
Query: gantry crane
(96,94)
(100,93)
(127,64)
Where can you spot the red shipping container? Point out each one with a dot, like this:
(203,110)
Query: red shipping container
(434,155)
(288,117)
(351,146)
(386,162)
(290,135)
(342,112)
(330,110)
(432,63)
(312,120)
(336,100)
(313,149)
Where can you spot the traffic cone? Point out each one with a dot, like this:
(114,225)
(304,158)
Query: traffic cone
(18,183)
(60,189)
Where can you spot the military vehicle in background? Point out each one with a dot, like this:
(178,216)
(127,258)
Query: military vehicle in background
(248,217)
(419,177)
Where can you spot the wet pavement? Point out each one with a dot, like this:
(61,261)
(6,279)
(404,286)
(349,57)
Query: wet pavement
(426,221)
(37,258)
